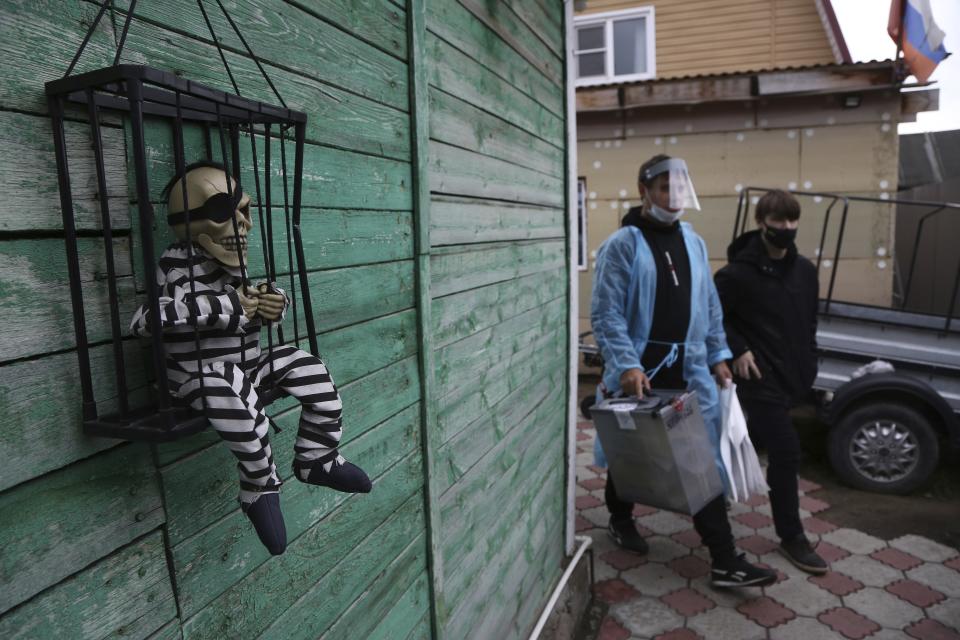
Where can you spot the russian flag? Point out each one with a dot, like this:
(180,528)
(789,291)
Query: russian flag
(922,39)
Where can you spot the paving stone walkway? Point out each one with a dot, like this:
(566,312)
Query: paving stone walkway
(907,588)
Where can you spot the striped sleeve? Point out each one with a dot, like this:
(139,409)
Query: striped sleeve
(179,307)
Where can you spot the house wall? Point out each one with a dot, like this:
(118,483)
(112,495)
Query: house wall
(723,36)
(806,143)
(435,234)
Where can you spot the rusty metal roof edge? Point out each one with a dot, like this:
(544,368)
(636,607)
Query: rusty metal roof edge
(833,66)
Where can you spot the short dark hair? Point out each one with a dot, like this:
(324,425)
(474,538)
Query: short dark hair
(779,205)
(660,157)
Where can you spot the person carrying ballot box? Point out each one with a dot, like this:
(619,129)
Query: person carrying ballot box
(654,301)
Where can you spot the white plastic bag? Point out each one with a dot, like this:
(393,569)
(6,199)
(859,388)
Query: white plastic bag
(744,473)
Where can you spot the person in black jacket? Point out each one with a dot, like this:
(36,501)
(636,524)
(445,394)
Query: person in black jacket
(769,295)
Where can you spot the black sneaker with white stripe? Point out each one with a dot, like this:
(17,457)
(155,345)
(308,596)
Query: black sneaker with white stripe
(737,572)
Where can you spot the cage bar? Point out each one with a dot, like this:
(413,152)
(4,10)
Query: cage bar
(136,93)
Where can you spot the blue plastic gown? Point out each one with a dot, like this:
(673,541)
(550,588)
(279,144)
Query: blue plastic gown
(621,312)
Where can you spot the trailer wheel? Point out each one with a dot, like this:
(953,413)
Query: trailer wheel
(884,447)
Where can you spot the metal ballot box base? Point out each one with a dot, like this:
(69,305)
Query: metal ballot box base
(658,450)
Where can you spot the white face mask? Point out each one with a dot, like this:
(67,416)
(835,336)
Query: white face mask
(662,215)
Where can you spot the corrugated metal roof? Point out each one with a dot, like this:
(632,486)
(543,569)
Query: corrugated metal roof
(853,66)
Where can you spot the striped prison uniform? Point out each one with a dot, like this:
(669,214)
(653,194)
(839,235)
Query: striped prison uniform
(228,391)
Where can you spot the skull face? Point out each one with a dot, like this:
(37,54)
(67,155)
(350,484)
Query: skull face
(212,214)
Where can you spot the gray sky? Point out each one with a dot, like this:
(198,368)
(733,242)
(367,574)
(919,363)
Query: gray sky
(864,24)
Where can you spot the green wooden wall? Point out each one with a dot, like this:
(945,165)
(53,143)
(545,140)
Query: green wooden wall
(435,231)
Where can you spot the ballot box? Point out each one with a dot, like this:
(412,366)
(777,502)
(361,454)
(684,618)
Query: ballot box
(658,450)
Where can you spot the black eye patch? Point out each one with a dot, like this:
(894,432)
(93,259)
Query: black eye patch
(218,208)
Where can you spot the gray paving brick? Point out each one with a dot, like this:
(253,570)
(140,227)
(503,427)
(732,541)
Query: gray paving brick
(804,629)
(663,549)
(726,624)
(646,617)
(664,523)
(654,579)
(728,598)
(947,613)
(597,515)
(854,541)
(923,548)
(867,570)
(890,634)
(884,608)
(805,598)
(936,576)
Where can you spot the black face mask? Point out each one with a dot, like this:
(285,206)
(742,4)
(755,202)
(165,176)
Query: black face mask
(780,238)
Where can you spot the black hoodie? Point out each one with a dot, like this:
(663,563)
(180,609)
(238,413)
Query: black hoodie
(770,309)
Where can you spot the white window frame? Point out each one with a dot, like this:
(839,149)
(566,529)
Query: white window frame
(607,18)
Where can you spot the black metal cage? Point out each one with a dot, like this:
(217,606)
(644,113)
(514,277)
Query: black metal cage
(141,95)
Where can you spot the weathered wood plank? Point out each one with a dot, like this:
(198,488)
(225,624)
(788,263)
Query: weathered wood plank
(475,548)
(170,631)
(457,171)
(459,27)
(473,221)
(202,489)
(545,21)
(228,552)
(459,123)
(36,315)
(54,30)
(127,594)
(494,379)
(377,22)
(332,178)
(423,629)
(455,73)
(250,604)
(462,314)
(406,615)
(337,116)
(529,522)
(456,269)
(504,465)
(520,595)
(72,517)
(281,34)
(28,175)
(522,409)
(383,594)
(311,613)
(465,358)
(43,430)
(522,518)
(500,17)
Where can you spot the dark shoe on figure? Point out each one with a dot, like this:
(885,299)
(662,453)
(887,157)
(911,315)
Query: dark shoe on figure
(801,554)
(342,476)
(737,572)
(624,532)
(267,521)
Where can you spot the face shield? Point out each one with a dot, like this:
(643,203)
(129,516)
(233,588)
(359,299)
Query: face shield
(676,180)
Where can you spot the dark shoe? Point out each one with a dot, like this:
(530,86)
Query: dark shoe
(737,572)
(267,521)
(343,476)
(624,532)
(801,554)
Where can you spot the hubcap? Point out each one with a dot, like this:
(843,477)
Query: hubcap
(884,451)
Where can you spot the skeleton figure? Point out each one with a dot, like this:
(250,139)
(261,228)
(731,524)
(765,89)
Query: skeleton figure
(222,316)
